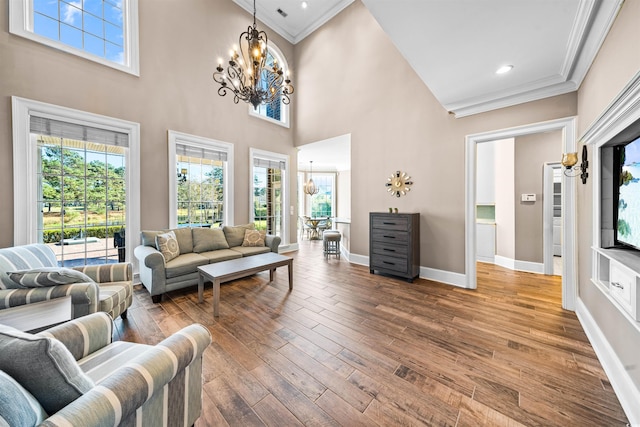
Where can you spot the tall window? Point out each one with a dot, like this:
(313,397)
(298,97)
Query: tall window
(269,193)
(323,203)
(277,111)
(200,186)
(104,31)
(80,192)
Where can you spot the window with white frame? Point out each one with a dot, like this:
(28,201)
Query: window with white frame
(269,195)
(200,189)
(82,198)
(105,31)
(277,111)
(323,203)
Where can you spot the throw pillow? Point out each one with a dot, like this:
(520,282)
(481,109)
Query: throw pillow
(47,276)
(167,244)
(43,366)
(254,238)
(18,407)
(235,234)
(208,239)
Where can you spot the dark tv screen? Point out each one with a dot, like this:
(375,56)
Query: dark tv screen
(628,230)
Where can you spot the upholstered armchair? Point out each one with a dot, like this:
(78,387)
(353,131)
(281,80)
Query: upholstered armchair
(30,275)
(74,375)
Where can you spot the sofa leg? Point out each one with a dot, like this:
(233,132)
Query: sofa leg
(156,298)
(123,315)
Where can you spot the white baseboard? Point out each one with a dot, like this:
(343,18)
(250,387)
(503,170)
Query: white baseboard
(488,260)
(514,264)
(624,387)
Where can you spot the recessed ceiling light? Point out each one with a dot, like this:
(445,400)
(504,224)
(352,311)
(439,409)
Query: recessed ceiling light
(304,5)
(504,69)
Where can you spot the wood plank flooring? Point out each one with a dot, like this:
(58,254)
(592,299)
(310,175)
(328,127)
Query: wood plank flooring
(350,348)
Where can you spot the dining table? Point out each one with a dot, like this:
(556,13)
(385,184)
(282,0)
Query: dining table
(313,225)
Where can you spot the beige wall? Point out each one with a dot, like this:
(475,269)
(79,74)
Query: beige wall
(365,87)
(531,153)
(179,49)
(616,64)
(343,198)
(504,151)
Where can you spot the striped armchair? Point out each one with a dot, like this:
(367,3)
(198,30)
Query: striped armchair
(129,384)
(111,289)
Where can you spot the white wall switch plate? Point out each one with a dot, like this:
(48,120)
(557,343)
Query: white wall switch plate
(528,198)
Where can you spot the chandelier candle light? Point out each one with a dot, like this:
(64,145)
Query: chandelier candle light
(248,75)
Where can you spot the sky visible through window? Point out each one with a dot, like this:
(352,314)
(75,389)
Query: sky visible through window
(94,26)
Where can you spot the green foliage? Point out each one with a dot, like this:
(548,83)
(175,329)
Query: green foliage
(55,236)
(623,227)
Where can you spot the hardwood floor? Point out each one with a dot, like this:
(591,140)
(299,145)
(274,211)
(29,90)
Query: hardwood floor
(349,348)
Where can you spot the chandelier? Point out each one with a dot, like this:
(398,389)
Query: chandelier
(310,187)
(248,76)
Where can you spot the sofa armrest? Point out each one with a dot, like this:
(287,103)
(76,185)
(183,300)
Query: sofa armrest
(117,398)
(105,273)
(273,242)
(84,335)
(84,297)
(152,269)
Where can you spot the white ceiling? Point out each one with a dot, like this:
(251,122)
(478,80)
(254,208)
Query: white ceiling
(330,155)
(455,46)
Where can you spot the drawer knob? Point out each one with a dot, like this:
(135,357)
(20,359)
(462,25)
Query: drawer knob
(617,285)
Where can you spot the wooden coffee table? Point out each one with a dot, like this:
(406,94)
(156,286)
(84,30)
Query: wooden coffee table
(236,268)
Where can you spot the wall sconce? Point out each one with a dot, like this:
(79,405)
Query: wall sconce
(182,175)
(569,161)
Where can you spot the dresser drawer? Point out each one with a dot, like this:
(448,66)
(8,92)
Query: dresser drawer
(390,236)
(383,262)
(621,287)
(400,251)
(390,222)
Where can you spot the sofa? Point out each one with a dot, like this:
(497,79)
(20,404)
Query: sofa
(166,265)
(74,375)
(30,275)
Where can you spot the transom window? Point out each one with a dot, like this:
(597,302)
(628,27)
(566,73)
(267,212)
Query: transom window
(101,30)
(277,111)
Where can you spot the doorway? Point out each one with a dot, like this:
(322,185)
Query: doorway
(568,203)
(552,219)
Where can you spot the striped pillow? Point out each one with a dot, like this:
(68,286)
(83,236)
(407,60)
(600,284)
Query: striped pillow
(18,407)
(47,276)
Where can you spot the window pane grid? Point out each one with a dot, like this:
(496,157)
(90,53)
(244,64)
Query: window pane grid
(322,203)
(82,199)
(94,26)
(200,191)
(267,199)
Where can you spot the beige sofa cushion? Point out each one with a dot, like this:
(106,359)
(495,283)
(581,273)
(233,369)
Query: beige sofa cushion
(184,264)
(221,255)
(235,234)
(148,237)
(208,239)
(167,244)
(184,238)
(248,250)
(254,238)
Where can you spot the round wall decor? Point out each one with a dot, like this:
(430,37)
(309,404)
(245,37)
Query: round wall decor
(399,184)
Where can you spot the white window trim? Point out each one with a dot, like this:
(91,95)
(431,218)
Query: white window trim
(269,155)
(333,189)
(25,155)
(21,24)
(174,138)
(284,108)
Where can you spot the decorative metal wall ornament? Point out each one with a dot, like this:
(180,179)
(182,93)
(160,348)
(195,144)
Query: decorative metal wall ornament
(248,76)
(399,184)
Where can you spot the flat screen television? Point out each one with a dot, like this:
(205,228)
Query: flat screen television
(627,212)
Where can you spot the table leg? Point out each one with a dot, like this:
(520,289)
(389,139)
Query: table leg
(200,287)
(216,297)
(290,265)
(271,271)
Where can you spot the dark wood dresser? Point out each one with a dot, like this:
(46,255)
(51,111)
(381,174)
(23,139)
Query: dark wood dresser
(394,244)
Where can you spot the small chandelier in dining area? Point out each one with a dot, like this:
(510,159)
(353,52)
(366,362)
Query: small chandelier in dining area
(248,75)
(310,187)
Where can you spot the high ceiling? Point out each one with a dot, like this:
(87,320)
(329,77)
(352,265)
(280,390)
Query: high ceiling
(456,46)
